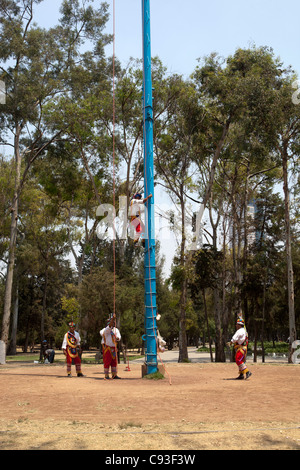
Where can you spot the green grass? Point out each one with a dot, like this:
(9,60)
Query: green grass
(23,358)
(87,357)
(154,376)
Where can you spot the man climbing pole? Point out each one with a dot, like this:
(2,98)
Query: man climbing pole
(135,211)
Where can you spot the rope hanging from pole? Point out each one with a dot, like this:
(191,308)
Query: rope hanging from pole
(114,177)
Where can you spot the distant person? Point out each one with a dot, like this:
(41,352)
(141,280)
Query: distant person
(110,337)
(48,353)
(240,343)
(71,349)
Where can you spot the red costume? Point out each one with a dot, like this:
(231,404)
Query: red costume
(71,347)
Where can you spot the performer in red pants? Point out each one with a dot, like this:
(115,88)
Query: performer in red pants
(71,349)
(110,336)
(240,343)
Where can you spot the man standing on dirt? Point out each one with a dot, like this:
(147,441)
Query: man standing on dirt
(71,349)
(240,342)
(110,336)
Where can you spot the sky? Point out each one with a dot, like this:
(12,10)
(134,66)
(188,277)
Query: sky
(184,30)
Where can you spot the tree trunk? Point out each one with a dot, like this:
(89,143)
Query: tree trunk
(288,250)
(183,351)
(44,311)
(12,241)
(12,350)
(207,326)
(219,339)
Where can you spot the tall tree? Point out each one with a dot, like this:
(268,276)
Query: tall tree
(238,98)
(287,124)
(174,146)
(37,65)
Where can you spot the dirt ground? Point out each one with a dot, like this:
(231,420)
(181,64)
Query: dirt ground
(195,407)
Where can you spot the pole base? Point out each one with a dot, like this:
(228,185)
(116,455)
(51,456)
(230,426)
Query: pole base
(145,370)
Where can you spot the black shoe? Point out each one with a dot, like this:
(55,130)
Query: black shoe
(240,377)
(116,377)
(80,374)
(248,374)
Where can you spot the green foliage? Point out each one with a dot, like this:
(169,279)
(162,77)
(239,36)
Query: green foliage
(270,347)
(72,307)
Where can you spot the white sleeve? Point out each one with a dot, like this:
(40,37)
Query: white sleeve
(64,344)
(101,334)
(136,206)
(239,336)
(117,334)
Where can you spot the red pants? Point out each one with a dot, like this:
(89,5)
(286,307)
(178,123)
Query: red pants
(240,358)
(110,359)
(77,362)
(139,227)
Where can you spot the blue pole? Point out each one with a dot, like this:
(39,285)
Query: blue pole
(149,256)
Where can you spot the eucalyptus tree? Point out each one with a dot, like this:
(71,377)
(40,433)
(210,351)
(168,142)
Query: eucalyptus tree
(37,66)
(235,96)
(285,122)
(234,148)
(6,191)
(174,166)
(265,263)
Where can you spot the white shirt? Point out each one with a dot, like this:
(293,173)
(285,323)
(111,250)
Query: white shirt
(240,336)
(136,207)
(77,336)
(107,336)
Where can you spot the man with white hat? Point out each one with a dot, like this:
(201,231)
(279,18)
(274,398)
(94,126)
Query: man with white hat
(240,343)
(71,348)
(110,337)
